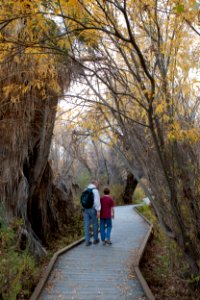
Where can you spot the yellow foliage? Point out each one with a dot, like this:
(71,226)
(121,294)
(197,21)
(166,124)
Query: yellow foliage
(191,135)
(160,108)
(25,62)
(26,38)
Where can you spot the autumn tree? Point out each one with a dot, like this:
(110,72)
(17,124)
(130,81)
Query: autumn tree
(33,76)
(146,90)
(139,63)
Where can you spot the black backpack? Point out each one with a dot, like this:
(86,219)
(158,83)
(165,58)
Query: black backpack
(87,198)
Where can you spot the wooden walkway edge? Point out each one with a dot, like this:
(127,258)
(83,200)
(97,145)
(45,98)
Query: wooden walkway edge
(42,283)
(142,280)
(49,268)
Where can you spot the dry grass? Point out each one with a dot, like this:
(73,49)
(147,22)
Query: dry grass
(166,273)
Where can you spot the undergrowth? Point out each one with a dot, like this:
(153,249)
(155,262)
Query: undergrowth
(70,233)
(19,270)
(138,194)
(164,267)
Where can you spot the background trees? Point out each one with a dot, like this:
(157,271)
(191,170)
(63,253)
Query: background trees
(150,103)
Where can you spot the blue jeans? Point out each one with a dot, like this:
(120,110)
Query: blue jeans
(90,214)
(105,228)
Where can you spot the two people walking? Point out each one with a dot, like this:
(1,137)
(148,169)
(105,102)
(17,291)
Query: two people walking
(94,207)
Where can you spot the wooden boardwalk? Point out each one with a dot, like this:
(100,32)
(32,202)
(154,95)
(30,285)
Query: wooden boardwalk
(101,272)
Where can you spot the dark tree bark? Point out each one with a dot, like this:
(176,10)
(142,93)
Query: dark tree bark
(27,190)
(131,184)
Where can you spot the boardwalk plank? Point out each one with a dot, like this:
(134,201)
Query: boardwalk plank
(101,272)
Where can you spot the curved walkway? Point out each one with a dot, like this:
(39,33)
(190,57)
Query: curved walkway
(101,272)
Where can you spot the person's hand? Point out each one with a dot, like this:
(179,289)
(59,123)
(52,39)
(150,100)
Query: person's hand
(98,214)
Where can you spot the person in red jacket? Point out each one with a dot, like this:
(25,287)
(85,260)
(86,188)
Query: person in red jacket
(106,215)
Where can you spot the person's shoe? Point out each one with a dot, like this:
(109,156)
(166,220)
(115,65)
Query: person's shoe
(104,243)
(108,242)
(88,243)
(96,241)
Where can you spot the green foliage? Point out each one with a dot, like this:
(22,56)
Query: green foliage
(83,178)
(146,210)
(180,8)
(116,193)
(138,195)
(17,268)
(75,228)
(195,280)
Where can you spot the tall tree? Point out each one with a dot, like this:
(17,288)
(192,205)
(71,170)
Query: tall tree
(151,102)
(32,77)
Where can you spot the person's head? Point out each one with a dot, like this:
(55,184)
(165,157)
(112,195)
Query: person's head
(95,182)
(106,191)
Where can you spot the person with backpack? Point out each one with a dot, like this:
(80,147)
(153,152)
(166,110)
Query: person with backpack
(90,200)
(106,215)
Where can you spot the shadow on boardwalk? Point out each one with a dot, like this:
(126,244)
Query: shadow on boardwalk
(101,272)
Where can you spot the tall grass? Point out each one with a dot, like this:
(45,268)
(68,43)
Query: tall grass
(138,195)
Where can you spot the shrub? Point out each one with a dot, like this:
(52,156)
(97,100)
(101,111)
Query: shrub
(138,195)
(116,193)
(17,268)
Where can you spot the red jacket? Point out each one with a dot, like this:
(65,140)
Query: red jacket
(106,205)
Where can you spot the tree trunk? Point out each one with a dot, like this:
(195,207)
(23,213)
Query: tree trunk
(130,187)
(26,185)
(26,181)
